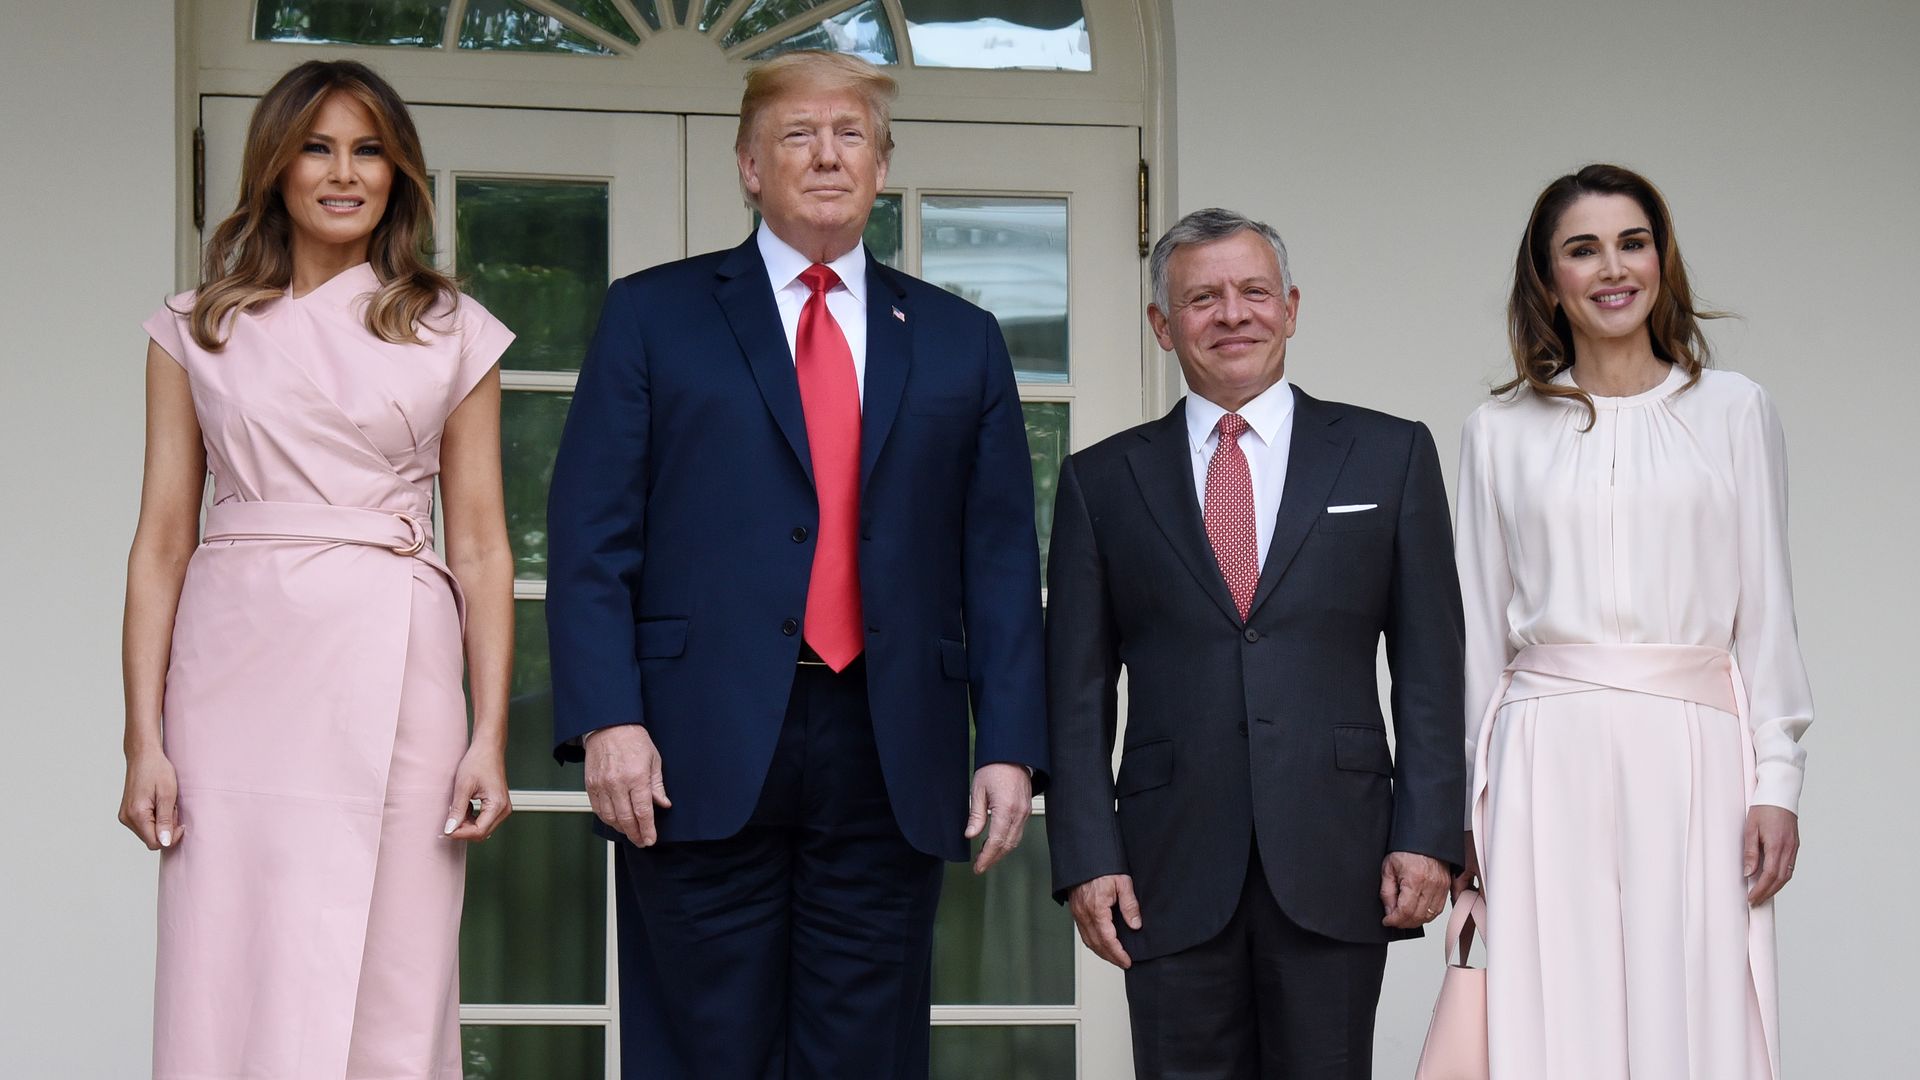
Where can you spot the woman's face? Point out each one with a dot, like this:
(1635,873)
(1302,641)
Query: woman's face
(1606,271)
(336,188)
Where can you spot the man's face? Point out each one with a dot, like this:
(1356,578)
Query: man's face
(1230,317)
(815,162)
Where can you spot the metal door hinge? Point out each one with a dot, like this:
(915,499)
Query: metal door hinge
(200,179)
(1145,245)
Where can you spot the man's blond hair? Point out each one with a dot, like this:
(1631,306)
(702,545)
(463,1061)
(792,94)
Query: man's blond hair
(812,69)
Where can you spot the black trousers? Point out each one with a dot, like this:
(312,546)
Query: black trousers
(1265,999)
(800,948)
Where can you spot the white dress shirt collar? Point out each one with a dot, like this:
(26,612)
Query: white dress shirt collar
(785,265)
(1266,415)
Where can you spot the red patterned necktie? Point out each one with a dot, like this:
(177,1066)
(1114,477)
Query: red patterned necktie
(1229,514)
(830,397)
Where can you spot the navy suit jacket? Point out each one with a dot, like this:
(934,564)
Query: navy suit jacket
(682,519)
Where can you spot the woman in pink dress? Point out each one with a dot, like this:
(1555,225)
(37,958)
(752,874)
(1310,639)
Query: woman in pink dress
(1635,692)
(297,741)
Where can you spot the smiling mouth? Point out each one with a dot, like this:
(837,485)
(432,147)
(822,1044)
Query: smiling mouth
(1617,298)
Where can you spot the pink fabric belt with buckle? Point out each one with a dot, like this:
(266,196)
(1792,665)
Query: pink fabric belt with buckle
(402,534)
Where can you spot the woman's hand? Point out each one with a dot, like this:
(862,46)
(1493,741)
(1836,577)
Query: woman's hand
(1772,844)
(1468,878)
(151,803)
(482,775)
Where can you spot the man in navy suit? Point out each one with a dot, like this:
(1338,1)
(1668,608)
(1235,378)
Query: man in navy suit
(792,544)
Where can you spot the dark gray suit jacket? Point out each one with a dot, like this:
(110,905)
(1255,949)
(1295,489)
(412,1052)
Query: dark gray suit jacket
(1265,731)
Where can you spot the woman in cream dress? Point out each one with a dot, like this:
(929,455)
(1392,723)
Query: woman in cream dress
(297,742)
(1635,692)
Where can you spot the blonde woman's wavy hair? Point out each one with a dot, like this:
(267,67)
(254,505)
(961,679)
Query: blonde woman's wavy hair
(249,260)
(1537,330)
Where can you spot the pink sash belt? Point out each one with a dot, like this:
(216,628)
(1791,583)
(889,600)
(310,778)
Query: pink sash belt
(406,535)
(1701,674)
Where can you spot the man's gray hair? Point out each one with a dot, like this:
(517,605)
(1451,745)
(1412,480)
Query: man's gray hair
(1204,227)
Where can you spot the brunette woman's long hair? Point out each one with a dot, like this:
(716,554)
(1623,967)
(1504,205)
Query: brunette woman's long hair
(1537,330)
(249,260)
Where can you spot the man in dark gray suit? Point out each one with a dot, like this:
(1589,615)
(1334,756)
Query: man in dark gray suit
(1241,558)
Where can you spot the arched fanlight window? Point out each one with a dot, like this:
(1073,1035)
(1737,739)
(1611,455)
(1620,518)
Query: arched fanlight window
(1033,35)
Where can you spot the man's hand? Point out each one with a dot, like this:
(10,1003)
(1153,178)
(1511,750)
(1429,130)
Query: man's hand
(1092,904)
(1002,794)
(1772,845)
(1413,889)
(625,781)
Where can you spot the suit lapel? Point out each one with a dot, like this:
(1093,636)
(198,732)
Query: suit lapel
(889,355)
(747,299)
(1163,468)
(1314,457)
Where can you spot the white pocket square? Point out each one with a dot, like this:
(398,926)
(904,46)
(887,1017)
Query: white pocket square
(1352,508)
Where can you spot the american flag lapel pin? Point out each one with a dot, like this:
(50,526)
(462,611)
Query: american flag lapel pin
(898,314)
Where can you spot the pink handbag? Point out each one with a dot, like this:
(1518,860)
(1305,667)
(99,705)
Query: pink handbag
(1456,1046)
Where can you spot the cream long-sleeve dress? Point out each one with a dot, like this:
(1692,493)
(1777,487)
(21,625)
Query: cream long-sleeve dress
(1634,683)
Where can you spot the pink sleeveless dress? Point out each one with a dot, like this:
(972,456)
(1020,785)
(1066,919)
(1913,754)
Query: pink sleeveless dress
(309,918)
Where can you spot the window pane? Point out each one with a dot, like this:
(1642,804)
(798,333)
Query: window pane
(535,929)
(999,938)
(530,764)
(1047,35)
(421,23)
(1009,255)
(762,16)
(1048,432)
(860,31)
(530,423)
(710,12)
(650,11)
(535,253)
(513,26)
(885,230)
(1028,1052)
(602,14)
(534,1052)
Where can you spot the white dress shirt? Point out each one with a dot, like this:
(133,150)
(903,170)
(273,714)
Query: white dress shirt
(1266,442)
(847,301)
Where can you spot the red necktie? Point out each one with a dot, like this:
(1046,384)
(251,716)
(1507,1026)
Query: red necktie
(830,397)
(1229,515)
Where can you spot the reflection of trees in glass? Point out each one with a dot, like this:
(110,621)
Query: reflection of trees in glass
(1047,14)
(1022,1052)
(530,764)
(519,1051)
(1000,939)
(601,13)
(710,12)
(513,27)
(530,424)
(884,230)
(545,869)
(1047,444)
(862,31)
(352,22)
(763,16)
(535,253)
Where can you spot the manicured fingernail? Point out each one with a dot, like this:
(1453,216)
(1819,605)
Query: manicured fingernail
(166,837)
(448,831)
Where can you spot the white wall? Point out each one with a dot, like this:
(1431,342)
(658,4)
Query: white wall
(1398,147)
(86,251)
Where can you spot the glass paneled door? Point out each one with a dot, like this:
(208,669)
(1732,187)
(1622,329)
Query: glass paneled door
(538,210)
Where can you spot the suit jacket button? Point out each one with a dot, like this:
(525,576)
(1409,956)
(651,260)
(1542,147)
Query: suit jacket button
(799,534)
(1243,727)
(1252,634)
(790,627)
